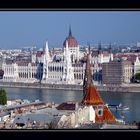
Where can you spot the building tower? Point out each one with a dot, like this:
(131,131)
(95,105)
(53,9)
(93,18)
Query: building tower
(33,56)
(88,75)
(136,65)
(91,97)
(100,54)
(110,52)
(68,74)
(46,59)
(73,46)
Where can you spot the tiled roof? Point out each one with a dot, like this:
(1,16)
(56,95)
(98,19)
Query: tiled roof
(92,97)
(107,116)
(22,63)
(66,106)
(39,53)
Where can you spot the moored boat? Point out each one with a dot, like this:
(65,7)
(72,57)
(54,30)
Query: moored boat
(118,107)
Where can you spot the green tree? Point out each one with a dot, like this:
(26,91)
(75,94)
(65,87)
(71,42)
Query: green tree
(3,97)
(137,76)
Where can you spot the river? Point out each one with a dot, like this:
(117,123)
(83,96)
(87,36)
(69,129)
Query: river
(132,100)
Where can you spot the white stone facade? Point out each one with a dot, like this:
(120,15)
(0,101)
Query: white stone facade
(80,116)
(137,66)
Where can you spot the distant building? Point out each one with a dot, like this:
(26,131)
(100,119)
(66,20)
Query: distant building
(59,65)
(99,57)
(1,74)
(138,44)
(21,71)
(46,66)
(117,72)
(137,65)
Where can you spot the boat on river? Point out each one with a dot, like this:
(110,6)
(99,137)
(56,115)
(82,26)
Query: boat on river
(118,107)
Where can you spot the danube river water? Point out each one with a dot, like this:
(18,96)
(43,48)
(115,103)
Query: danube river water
(132,100)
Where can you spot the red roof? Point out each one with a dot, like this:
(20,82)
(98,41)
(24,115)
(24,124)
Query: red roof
(71,42)
(92,97)
(66,106)
(107,116)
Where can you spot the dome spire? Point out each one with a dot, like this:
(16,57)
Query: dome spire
(70,33)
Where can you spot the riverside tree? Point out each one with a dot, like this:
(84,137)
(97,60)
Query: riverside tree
(137,76)
(3,97)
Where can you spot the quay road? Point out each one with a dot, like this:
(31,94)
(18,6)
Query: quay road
(7,109)
(106,88)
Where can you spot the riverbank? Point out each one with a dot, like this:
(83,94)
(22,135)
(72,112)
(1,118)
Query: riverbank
(101,88)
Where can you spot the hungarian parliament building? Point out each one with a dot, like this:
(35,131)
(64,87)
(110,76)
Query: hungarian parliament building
(66,66)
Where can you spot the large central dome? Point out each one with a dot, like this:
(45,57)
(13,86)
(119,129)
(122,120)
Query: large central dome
(72,42)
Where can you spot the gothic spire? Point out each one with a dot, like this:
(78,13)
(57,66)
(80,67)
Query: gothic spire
(88,75)
(70,33)
(110,48)
(99,48)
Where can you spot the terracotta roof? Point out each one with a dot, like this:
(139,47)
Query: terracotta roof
(72,42)
(92,97)
(66,106)
(107,116)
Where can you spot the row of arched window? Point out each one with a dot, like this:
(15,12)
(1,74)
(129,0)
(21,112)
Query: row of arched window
(9,70)
(78,76)
(27,75)
(55,68)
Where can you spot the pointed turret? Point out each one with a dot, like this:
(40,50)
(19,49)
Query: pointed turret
(46,47)
(70,33)
(99,48)
(137,59)
(87,77)
(68,74)
(110,48)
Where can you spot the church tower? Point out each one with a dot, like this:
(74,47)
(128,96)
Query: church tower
(92,97)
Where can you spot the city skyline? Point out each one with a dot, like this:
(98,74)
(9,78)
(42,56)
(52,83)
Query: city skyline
(33,28)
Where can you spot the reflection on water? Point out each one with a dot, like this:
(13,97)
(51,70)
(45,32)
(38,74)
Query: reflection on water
(57,96)
(132,100)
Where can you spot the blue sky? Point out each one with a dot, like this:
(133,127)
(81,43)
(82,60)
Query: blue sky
(33,28)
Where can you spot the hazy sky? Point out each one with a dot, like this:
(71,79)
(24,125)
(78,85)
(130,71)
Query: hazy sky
(33,28)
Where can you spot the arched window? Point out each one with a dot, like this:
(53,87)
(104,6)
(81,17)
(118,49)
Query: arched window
(22,75)
(80,76)
(29,74)
(100,112)
(74,76)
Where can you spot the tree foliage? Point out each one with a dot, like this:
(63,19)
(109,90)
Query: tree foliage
(137,76)
(3,97)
